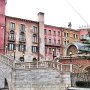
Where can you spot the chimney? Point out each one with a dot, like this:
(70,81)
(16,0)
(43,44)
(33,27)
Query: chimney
(41,17)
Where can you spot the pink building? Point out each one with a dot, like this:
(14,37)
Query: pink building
(52,41)
(83,33)
(2,24)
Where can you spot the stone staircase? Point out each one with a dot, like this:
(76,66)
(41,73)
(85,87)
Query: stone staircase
(46,75)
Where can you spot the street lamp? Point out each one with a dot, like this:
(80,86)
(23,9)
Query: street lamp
(53,53)
(70,53)
(6,49)
(23,56)
(14,53)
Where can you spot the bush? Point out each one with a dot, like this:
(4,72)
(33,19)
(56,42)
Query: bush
(85,84)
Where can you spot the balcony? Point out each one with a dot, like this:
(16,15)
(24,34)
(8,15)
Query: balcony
(82,38)
(11,37)
(52,44)
(22,39)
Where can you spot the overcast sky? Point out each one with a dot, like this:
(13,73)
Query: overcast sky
(57,12)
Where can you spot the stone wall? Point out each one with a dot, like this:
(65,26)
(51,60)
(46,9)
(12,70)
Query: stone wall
(40,79)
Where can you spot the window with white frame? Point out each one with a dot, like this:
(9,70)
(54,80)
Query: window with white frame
(22,47)
(35,30)
(12,26)
(34,49)
(34,38)
(11,46)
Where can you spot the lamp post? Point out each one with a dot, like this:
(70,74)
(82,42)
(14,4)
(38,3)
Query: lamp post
(23,56)
(70,53)
(14,53)
(53,53)
(6,50)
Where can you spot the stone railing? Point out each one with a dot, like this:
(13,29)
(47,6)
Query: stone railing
(45,64)
(6,60)
(80,78)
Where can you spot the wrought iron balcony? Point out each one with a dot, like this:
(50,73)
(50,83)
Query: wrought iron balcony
(11,37)
(22,39)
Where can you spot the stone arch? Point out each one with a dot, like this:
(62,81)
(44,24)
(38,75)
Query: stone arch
(87,69)
(71,48)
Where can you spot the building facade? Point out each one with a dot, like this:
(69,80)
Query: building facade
(2,25)
(52,41)
(23,38)
(69,36)
(84,34)
(28,40)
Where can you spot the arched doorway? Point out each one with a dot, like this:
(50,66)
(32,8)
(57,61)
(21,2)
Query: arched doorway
(73,49)
(87,69)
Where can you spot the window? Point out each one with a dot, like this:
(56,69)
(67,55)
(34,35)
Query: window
(34,38)
(49,32)
(74,35)
(67,35)
(34,49)
(22,27)
(34,29)
(49,41)
(49,50)
(58,42)
(12,26)
(22,47)
(11,36)
(22,38)
(54,41)
(45,32)
(64,34)
(65,43)
(45,40)
(54,33)
(11,46)
(45,50)
(58,33)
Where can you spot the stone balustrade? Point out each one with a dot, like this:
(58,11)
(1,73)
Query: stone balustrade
(44,64)
(40,64)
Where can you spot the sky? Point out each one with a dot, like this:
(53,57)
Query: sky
(57,12)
